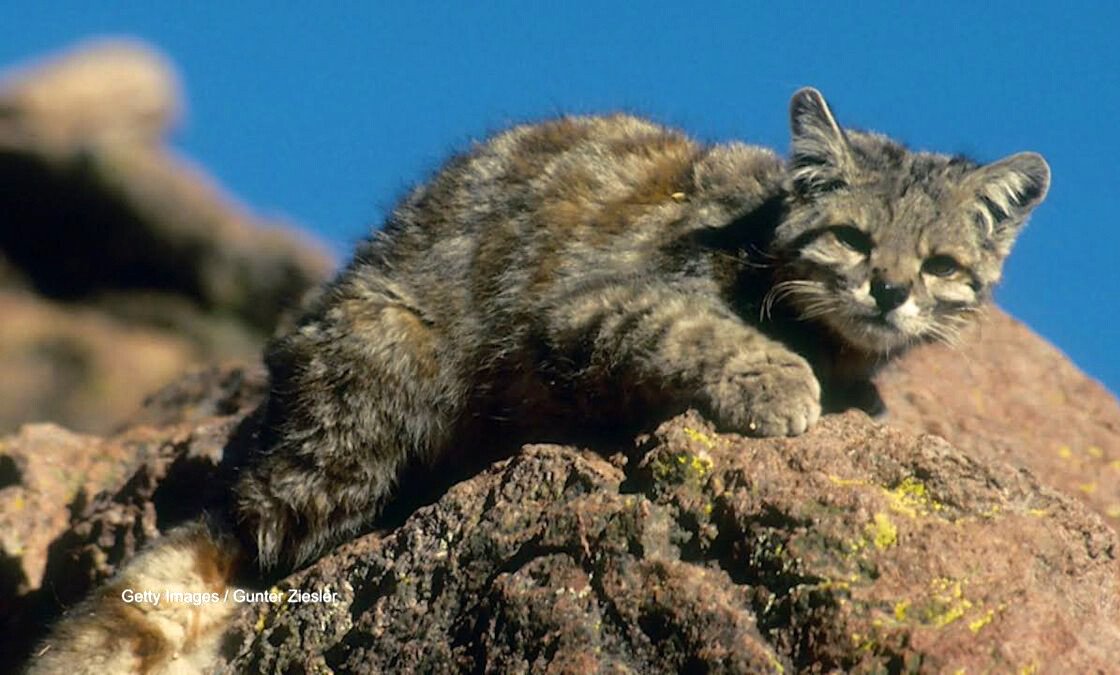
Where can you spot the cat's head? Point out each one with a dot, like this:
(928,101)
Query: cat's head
(889,247)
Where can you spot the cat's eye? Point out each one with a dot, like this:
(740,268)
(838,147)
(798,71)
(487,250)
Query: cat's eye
(941,266)
(852,237)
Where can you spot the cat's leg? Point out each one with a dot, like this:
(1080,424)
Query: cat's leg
(695,347)
(357,391)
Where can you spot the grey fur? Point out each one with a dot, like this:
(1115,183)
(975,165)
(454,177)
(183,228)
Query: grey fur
(597,269)
(583,274)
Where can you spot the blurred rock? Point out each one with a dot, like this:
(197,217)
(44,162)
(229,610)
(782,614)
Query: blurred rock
(102,92)
(120,263)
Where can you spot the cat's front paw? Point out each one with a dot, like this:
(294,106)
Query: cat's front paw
(768,397)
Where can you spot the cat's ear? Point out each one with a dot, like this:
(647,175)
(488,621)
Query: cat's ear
(1005,192)
(820,156)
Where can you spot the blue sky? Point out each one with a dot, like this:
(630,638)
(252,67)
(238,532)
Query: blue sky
(326,116)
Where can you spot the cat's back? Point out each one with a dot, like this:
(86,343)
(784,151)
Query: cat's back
(568,173)
(519,203)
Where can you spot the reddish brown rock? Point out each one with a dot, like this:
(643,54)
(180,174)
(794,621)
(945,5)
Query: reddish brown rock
(857,547)
(1007,395)
(45,469)
(73,508)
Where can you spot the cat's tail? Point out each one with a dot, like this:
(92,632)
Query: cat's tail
(164,612)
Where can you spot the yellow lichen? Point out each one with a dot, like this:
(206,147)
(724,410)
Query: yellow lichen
(259,626)
(1095,452)
(831,584)
(864,643)
(701,465)
(681,467)
(846,482)
(1113,511)
(699,437)
(1064,452)
(992,512)
(882,532)
(1088,488)
(1038,513)
(949,603)
(979,623)
(911,498)
(900,608)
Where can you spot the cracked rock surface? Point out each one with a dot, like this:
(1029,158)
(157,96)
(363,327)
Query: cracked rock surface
(853,547)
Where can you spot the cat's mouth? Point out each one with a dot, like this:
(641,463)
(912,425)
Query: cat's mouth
(874,331)
(856,320)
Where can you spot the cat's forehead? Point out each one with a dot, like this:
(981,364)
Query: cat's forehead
(900,186)
(908,200)
(896,172)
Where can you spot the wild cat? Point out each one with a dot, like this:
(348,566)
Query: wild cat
(590,272)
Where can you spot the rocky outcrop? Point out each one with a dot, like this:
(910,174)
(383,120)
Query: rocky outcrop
(858,546)
(974,531)
(854,547)
(121,264)
(73,507)
(1006,395)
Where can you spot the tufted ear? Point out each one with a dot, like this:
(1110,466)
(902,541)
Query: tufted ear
(1005,192)
(820,155)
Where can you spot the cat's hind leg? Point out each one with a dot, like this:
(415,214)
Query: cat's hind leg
(361,388)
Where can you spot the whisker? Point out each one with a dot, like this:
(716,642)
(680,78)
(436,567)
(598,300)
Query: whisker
(783,289)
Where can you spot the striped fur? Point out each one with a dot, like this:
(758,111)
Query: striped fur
(591,271)
(590,274)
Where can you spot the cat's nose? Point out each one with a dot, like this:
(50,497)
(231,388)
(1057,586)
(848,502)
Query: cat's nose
(888,295)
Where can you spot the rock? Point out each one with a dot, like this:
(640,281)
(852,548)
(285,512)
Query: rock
(121,264)
(99,92)
(73,508)
(85,366)
(857,547)
(51,478)
(1006,395)
(974,531)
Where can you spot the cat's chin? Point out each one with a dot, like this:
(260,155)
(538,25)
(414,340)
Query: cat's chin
(872,334)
